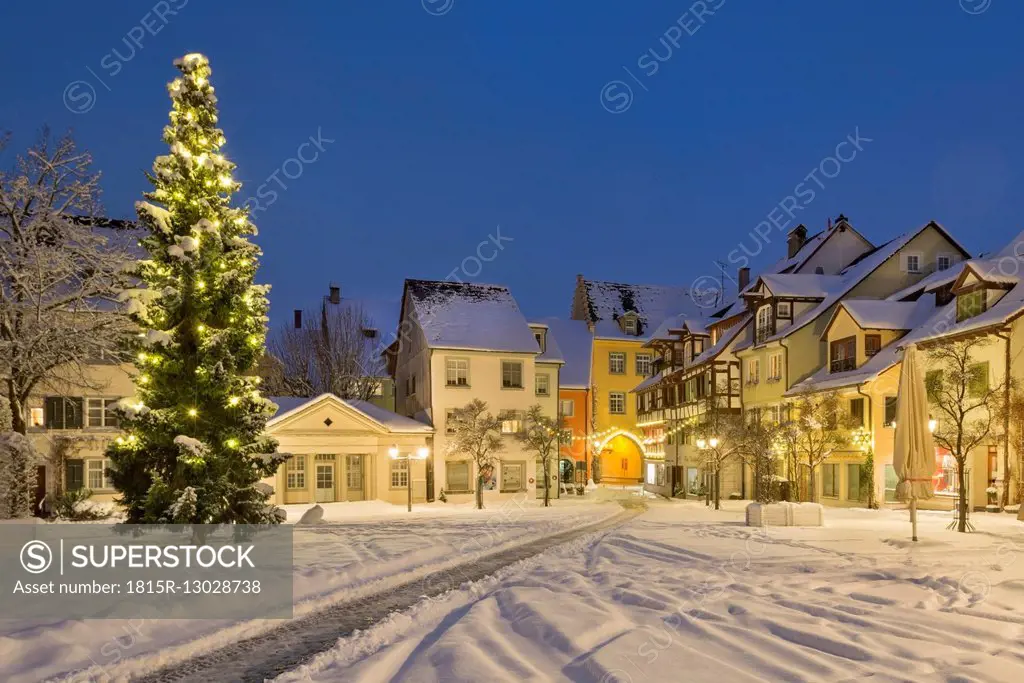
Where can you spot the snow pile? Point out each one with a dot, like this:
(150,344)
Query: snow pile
(785,514)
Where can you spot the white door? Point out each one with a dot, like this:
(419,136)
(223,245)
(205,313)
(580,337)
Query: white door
(325,482)
(354,477)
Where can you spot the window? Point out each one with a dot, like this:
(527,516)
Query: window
(890,411)
(912,263)
(843,355)
(369,333)
(511,374)
(753,371)
(764,324)
(616,403)
(775,367)
(63,413)
(512,476)
(617,363)
(773,414)
(378,388)
(853,491)
(36,418)
(978,384)
(629,324)
(643,364)
(970,304)
(354,472)
(567,408)
(296,471)
(539,336)
(457,473)
(943,262)
(399,474)
(830,480)
(410,385)
(543,382)
(872,344)
(449,422)
(101,412)
(456,372)
(511,421)
(857,410)
(96,475)
(785,309)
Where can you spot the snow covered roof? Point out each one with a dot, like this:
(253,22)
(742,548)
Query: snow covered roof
(681,322)
(464,315)
(788,265)
(854,274)
(650,381)
(576,344)
(723,342)
(388,420)
(811,286)
(874,314)
(606,302)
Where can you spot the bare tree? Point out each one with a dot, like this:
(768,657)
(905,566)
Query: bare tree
(822,426)
(787,438)
(61,275)
(1012,412)
(722,435)
(965,405)
(331,353)
(757,450)
(543,436)
(478,436)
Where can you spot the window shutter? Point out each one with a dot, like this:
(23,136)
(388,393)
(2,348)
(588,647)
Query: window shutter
(54,412)
(73,413)
(74,474)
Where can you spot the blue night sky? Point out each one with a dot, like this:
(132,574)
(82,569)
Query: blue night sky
(445,127)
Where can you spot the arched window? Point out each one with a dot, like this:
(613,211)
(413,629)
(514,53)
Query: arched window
(764,323)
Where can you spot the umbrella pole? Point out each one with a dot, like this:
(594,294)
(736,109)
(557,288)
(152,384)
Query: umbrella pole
(913,517)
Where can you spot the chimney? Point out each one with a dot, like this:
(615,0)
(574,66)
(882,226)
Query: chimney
(335,294)
(298,319)
(797,238)
(842,223)
(743,279)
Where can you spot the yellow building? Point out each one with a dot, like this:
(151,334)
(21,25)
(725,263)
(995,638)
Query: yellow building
(622,318)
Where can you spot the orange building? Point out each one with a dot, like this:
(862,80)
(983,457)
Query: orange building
(575,341)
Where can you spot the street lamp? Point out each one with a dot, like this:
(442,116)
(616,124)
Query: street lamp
(932,424)
(422,453)
(709,481)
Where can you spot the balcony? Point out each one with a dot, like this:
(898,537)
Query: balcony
(842,365)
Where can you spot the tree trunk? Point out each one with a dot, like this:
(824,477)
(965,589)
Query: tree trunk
(547,484)
(961,481)
(812,492)
(718,488)
(479,491)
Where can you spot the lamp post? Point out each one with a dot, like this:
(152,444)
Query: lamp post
(710,444)
(422,453)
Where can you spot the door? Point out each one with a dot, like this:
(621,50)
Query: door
(430,480)
(40,492)
(354,477)
(324,482)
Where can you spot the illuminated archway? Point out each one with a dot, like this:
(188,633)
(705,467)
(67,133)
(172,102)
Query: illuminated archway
(622,455)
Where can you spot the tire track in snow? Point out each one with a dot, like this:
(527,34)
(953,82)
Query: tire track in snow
(282,649)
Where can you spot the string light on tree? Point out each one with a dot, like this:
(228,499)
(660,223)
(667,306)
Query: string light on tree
(187,460)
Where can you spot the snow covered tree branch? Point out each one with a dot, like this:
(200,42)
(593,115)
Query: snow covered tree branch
(61,274)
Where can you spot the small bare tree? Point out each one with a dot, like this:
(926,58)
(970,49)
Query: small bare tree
(328,354)
(478,436)
(822,426)
(722,435)
(965,406)
(757,450)
(1013,415)
(61,274)
(543,435)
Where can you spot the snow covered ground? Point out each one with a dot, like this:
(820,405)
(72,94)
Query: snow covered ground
(360,548)
(685,593)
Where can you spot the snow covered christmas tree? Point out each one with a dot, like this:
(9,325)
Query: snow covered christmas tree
(194,450)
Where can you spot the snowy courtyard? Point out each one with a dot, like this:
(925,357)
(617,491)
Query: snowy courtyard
(685,589)
(679,587)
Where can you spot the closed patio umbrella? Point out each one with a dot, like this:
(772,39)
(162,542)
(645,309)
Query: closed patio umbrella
(913,456)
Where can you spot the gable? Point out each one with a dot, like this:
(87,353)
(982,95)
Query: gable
(313,417)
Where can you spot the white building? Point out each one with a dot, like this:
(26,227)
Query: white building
(459,342)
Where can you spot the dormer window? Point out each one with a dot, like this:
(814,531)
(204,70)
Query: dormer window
(785,309)
(538,334)
(971,304)
(369,333)
(629,324)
